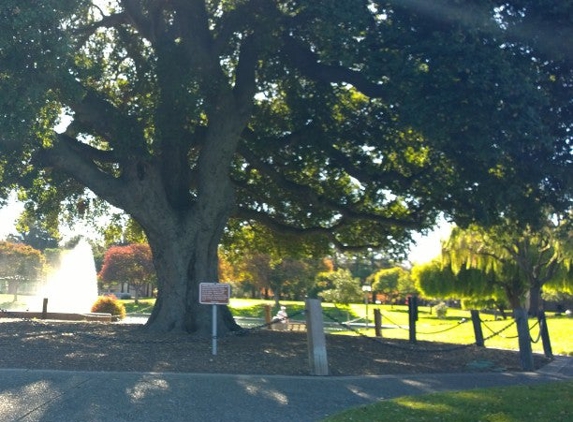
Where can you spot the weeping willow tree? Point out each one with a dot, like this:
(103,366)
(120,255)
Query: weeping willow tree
(518,261)
(438,281)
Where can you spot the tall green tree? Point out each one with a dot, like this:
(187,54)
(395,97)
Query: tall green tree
(35,236)
(393,283)
(122,231)
(345,288)
(519,261)
(354,122)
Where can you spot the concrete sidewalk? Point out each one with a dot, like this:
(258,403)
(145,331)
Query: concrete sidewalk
(50,396)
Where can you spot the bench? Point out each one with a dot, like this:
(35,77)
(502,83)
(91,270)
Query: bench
(296,326)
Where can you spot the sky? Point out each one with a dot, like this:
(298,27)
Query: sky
(8,216)
(426,248)
(429,247)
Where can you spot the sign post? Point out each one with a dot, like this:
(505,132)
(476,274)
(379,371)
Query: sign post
(214,294)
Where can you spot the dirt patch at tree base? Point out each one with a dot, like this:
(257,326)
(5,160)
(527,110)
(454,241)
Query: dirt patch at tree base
(93,346)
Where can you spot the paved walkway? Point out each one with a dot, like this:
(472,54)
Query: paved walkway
(53,396)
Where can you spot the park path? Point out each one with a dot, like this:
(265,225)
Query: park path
(66,396)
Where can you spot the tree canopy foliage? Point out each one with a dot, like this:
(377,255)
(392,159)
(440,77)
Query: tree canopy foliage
(393,283)
(344,289)
(351,122)
(436,280)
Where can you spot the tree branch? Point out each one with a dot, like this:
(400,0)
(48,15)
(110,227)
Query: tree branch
(66,155)
(245,82)
(387,177)
(95,113)
(279,226)
(348,212)
(193,22)
(309,64)
(328,233)
(85,150)
(365,174)
(143,24)
(110,21)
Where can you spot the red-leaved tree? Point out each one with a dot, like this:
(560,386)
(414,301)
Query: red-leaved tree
(132,264)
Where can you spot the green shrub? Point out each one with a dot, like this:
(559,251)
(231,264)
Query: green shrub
(110,305)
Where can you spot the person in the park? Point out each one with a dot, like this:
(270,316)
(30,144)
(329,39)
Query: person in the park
(281,318)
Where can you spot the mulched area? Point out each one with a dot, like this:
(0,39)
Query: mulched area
(94,346)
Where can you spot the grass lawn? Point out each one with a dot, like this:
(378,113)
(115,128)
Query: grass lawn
(540,403)
(143,305)
(7,302)
(450,329)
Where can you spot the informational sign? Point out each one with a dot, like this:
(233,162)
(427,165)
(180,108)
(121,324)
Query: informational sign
(214,293)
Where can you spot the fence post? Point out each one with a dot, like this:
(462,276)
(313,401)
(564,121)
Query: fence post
(544,332)
(378,323)
(524,339)
(268,317)
(477,328)
(412,316)
(316,338)
(45,308)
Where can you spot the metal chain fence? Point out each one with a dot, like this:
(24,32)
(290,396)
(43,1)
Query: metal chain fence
(268,325)
(499,332)
(398,346)
(168,339)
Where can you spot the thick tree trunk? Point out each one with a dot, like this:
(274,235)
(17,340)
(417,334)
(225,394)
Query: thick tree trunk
(535,302)
(184,245)
(183,259)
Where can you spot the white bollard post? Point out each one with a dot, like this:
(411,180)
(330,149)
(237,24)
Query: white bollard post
(316,338)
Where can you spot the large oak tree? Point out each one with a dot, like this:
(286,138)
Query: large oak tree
(351,121)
